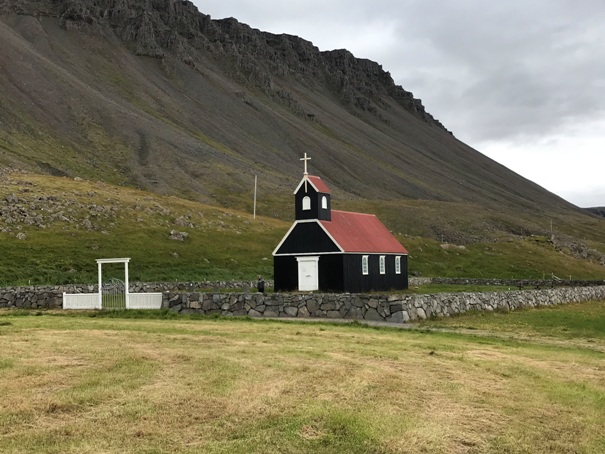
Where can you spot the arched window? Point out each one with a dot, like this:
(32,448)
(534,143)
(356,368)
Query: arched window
(324,202)
(306,203)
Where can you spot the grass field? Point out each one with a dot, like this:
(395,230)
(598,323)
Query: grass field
(59,227)
(525,382)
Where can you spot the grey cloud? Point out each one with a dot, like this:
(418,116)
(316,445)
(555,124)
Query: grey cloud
(510,72)
(516,69)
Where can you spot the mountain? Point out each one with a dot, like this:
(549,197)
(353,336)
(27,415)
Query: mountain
(599,211)
(158,96)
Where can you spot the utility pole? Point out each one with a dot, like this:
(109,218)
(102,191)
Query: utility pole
(254,212)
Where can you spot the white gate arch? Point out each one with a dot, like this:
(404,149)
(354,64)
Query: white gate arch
(100,263)
(95,300)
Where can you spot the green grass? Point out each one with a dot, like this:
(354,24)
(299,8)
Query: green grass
(154,381)
(566,322)
(521,259)
(221,244)
(49,257)
(450,288)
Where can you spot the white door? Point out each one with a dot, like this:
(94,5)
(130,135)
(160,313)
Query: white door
(308,273)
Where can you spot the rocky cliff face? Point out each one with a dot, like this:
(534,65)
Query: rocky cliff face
(157,27)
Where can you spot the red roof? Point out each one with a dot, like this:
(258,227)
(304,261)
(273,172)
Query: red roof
(319,185)
(358,232)
(316,182)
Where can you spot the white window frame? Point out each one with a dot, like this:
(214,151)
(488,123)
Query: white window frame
(324,202)
(398,264)
(365,268)
(306,203)
(382,264)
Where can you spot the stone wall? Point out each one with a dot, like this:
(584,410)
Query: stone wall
(151,287)
(51,296)
(32,297)
(373,307)
(517,283)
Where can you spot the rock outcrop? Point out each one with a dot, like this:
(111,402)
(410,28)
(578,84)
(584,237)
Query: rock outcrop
(162,28)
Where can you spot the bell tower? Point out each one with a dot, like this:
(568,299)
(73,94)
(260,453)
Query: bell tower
(312,197)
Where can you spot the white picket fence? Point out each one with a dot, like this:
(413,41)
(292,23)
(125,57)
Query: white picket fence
(144,301)
(81,301)
(92,301)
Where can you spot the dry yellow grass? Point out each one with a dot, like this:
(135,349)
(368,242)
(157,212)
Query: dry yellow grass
(90,385)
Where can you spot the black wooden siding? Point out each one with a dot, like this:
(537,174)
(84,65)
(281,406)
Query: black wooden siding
(316,211)
(356,282)
(305,238)
(342,273)
(331,276)
(330,273)
(285,274)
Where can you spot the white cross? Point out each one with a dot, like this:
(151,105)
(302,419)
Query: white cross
(305,159)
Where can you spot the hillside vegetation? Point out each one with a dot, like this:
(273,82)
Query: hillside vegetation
(53,228)
(159,97)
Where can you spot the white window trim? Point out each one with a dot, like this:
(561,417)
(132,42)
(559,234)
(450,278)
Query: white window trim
(306,203)
(397,264)
(382,264)
(365,267)
(324,202)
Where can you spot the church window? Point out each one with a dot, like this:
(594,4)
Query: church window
(364,265)
(382,265)
(324,202)
(306,203)
(398,264)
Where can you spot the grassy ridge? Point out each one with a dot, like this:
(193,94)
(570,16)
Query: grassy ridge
(81,384)
(524,258)
(220,243)
(68,224)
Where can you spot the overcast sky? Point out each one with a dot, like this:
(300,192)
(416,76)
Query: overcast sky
(521,81)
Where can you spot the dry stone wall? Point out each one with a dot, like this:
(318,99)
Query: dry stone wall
(518,283)
(143,287)
(31,297)
(372,307)
(388,308)
(51,297)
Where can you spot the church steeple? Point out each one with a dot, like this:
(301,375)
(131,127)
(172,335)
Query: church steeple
(312,197)
(305,173)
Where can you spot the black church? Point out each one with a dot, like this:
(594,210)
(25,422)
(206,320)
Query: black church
(336,251)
